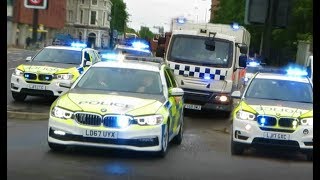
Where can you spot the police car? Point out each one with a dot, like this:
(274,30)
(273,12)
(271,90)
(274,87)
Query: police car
(134,104)
(42,74)
(276,109)
(134,46)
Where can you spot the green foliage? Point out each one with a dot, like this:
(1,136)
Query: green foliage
(145,33)
(130,30)
(119,15)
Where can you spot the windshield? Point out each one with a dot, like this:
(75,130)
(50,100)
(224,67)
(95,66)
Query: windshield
(59,56)
(280,90)
(121,80)
(192,49)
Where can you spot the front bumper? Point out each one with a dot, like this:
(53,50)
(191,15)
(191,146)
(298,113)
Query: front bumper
(255,136)
(19,85)
(134,137)
(206,100)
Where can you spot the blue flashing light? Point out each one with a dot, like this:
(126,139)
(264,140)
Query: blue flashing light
(109,56)
(181,20)
(253,63)
(263,120)
(296,72)
(122,121)
(139,45)
(246,79)
(78,45)
(47,78)
(235,26)
(26,75)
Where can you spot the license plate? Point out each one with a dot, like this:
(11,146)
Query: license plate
(192,106)
(37,87)
(100,134)
(277,136)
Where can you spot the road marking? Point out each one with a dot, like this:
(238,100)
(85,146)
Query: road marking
(11,69)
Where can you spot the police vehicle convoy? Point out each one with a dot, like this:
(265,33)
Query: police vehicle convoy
(276,109)
(42,74)
(133,104)
(206,61)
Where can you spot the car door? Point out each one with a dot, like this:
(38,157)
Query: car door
(174,103)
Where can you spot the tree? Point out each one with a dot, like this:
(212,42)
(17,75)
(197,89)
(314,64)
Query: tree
(145,33)
(119,15)
(130,30)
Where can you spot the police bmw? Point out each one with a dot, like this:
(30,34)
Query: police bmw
(275,110)
(133,104)
(52,65)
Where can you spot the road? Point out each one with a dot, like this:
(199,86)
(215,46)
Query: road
(204,153)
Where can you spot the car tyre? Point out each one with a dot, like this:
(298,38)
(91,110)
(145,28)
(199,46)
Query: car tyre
(19,96)
(178,139)
(57,147)
(165,142)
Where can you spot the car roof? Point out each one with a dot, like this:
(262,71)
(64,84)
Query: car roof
(130,64)
(66,48)
(285,77)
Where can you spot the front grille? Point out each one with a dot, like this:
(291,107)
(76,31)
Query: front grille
(88,119)
(198,97)
(267,120)
(110,121)
(286,122)
(45,77)
(30,76)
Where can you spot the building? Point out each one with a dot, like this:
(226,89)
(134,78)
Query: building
(89,21)
(50,21)
(10,23)
(214,8)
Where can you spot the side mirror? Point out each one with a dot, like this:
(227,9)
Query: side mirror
(210,44)
(28,59)
(176,92)
(88,63)
(236,94)
(65,84)
(243,49)
(243,61)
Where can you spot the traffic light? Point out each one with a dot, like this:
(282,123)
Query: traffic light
(36,4)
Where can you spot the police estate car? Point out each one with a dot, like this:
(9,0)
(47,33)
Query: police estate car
(52,65)
(275,110)
(132,104)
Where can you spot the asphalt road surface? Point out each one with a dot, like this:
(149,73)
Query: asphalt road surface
(203,154)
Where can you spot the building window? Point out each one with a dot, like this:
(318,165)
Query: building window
(81,16)
(105,3)
(70,15)
(94,2)
(82,1)
(93,17)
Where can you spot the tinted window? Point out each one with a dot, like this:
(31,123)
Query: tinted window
(59,56)
(280,90)
(121,79)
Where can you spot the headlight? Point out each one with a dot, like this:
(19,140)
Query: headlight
(306,122)
(64,76)
(245,115)
(18,72)
(150,120)
(61,113)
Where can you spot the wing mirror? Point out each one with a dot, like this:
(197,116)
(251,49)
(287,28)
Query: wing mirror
(236,94)
(88,63)
(176,92)
(65,84)
(28,59)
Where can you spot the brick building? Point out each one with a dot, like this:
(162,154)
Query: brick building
(50,21)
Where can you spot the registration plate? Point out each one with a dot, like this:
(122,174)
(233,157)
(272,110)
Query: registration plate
(192,106)
(37,87)
(100,134)
(277,136)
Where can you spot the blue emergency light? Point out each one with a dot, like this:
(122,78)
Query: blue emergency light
(139,45)
(253,63)
(78,45)
(110,56)
(181,20)
(235,26)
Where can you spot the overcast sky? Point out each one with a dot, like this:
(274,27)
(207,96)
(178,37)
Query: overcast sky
(159,12)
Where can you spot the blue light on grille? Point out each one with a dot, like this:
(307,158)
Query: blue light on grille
(26,75)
